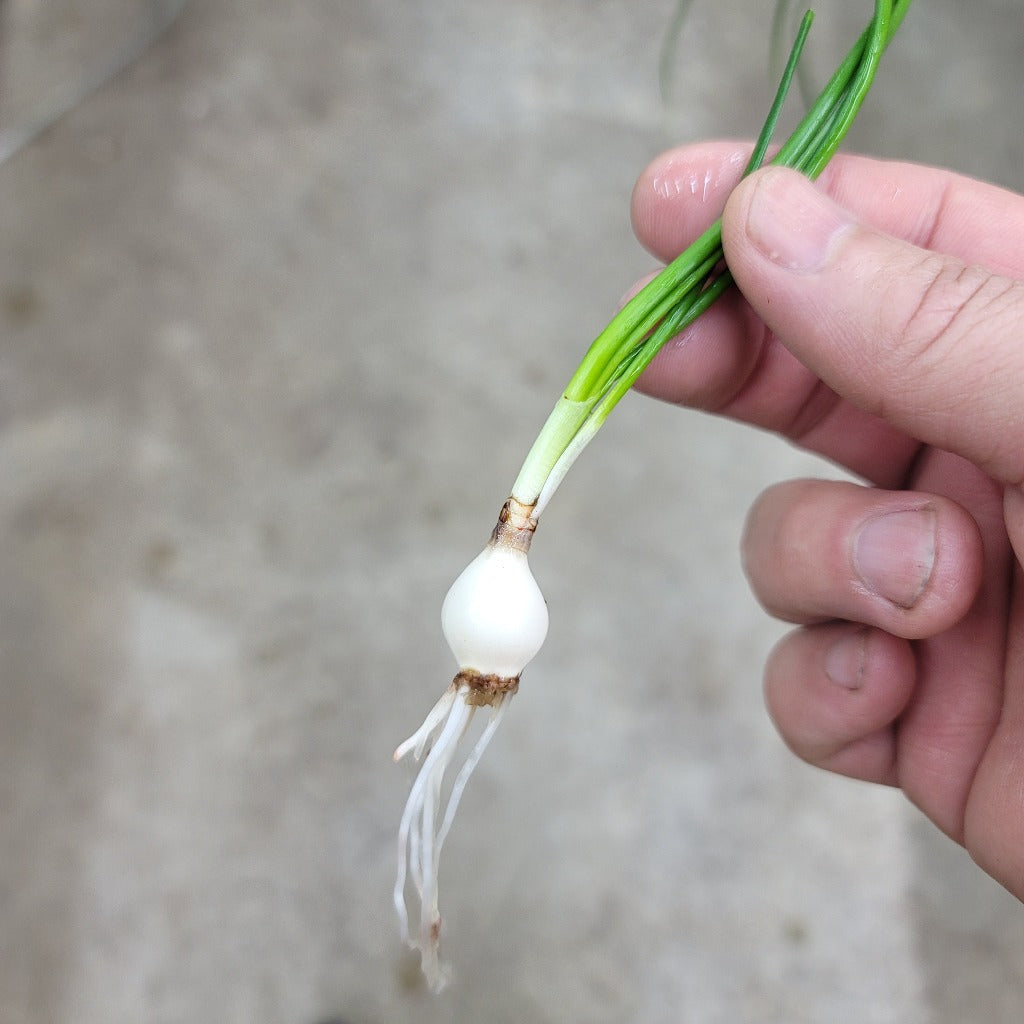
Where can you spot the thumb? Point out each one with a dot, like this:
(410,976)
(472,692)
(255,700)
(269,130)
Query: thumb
(932,345)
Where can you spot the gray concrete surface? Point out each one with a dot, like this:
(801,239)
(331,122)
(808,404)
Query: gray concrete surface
(281,307)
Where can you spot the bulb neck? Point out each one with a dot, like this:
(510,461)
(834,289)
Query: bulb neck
(516,525)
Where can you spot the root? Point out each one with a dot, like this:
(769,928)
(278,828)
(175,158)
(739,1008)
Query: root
(424,828)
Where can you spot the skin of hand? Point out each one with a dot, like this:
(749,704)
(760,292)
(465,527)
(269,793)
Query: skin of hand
(879,322)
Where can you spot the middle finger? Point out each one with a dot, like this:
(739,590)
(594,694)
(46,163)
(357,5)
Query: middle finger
(904,561)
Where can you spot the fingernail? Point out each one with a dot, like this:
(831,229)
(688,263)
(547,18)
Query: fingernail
(844,663)
(792,223)
(894,555)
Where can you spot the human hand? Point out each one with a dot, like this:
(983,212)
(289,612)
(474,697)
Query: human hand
(881,324)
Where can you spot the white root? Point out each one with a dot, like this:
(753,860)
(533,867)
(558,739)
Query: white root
(424,827)
(418,740)
(497,713)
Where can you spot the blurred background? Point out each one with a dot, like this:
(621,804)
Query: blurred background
(282,303)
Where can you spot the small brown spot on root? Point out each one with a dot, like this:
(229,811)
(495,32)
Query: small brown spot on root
(485,690)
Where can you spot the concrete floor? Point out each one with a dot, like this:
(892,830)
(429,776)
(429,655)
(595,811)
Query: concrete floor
(281,307)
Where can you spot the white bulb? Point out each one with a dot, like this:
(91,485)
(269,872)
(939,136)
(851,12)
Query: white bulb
(495,617)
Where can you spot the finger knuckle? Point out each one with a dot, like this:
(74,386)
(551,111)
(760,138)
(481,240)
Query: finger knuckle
(953,300)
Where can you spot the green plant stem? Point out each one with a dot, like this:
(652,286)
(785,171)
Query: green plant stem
(694,280)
